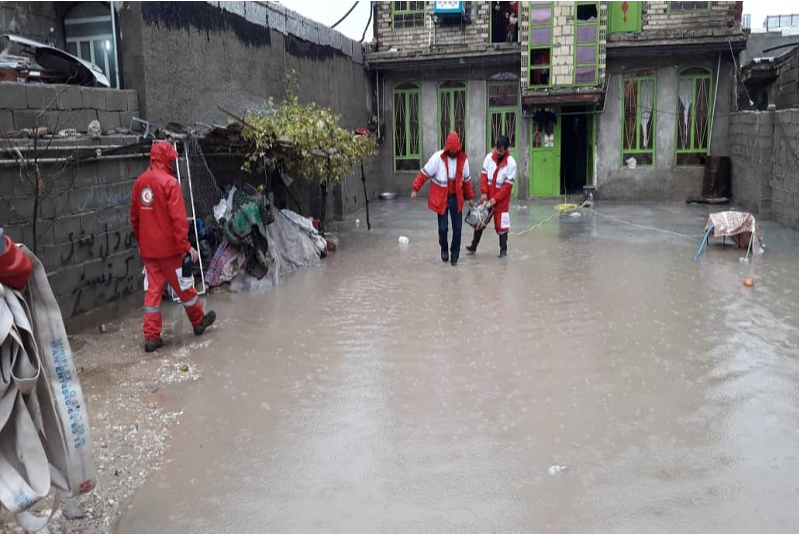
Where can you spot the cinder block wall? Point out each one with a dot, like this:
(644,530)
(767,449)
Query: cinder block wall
(765,163)
(60,107)
(84,237)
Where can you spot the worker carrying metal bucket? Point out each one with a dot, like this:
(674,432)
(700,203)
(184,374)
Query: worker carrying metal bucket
(496,184)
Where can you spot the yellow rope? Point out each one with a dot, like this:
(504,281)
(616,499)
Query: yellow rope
(566,207)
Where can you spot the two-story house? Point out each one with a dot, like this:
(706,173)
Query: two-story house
(628,97)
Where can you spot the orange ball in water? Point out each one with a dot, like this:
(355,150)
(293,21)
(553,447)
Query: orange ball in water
(749,282)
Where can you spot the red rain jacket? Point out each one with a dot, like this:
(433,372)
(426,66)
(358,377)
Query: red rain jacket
(157,211)
(439,186)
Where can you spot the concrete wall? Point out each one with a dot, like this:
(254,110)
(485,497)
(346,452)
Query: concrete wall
(765,163)
(84,237)
(785,92)
(31,20)
(470,34)
(236,55)
(665,180)
(60,107)
(476,80)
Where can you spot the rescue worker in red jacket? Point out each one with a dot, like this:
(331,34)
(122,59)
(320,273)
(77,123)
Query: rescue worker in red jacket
(161,227)
(450,183)
(496,184)
(15,267)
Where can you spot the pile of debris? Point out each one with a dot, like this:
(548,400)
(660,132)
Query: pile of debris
(251,239)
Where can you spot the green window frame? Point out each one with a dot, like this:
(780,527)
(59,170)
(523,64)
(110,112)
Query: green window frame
(639,118)
(407,15)
(682,7)
(407,99)
(694,114)
(539,44)
(502,106)
(452,111)
(586,44)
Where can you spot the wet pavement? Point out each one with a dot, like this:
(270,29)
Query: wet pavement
(597,380)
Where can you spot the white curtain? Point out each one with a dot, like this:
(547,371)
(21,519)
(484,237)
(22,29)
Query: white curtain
(686,90)
(647,102)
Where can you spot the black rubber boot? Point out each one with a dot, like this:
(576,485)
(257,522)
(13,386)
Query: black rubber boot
(151,345)
(478,234)
(208,320)
(442,241)
(503,246)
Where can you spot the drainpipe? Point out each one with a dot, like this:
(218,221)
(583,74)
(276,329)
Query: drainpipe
(114,37)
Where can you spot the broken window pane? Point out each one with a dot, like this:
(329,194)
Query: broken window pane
(587,12)
(540,56)
(539,77)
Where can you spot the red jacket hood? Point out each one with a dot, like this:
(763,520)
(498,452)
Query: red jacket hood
(162,155)
(453,143)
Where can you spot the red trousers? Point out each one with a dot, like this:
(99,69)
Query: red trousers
(159,272)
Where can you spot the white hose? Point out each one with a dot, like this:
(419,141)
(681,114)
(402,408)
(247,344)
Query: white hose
(44,428)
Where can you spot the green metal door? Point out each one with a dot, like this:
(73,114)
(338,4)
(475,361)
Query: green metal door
(545,153)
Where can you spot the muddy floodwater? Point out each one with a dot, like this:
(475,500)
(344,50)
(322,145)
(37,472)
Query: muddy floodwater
(598,380)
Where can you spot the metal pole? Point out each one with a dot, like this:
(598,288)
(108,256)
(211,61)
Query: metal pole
(713,111)
(194,218)
(114,34)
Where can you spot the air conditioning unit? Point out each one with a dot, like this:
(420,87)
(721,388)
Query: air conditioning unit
(449,9)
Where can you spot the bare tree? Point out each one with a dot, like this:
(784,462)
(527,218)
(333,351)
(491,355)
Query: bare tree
(44,177)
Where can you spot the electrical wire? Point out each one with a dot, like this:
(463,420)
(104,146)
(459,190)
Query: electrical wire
(368,22)
(347,14)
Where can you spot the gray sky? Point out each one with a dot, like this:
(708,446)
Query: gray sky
(329,12)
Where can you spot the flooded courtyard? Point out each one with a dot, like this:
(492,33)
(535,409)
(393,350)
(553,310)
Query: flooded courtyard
(597,380)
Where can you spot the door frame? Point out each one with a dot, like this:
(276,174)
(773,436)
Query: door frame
(554,150)
(516,110)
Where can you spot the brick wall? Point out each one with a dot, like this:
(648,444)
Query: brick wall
(563,43)
(64,106)
(765,163)
(661,23)
(475,33)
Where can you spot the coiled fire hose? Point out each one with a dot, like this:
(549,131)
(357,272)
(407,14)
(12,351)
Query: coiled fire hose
(44,429)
